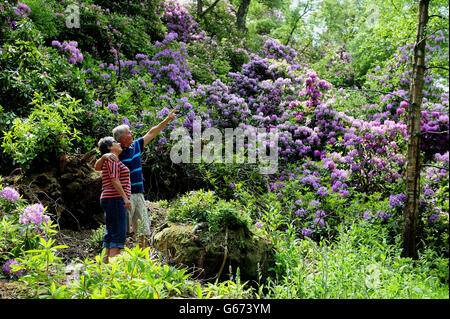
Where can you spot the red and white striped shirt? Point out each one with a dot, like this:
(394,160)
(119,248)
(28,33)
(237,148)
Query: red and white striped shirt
(112,169)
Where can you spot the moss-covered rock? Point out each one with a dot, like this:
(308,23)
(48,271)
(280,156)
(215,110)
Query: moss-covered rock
(70,190)
(210,255)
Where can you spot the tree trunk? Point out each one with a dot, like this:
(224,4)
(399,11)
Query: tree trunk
(413,160)
(241,15)
(199,9)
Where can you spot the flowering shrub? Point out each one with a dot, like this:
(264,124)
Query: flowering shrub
(205,206)
(10,194)
(179,20)
(44,135)
(336,67)
(21,227)
(273,49)
(109,26)
(171,67)
(226,109)
(34,214)
(70,47)
(10,15)
(8,269)
(433,205)
(394,76)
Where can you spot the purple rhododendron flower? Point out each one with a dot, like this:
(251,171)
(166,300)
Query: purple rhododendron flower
(7,269)
(319,221)
(306,232)
(403,104)
(322,191)
(9,193)
(300,212)
(428,193)
(320,213)
(397,200)
(125,121)
(34,214)
(383,215)
(113,107)
(367,214)
(433,218)
(315,203)
(162,140)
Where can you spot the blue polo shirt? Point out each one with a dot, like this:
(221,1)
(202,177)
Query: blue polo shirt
(131,157)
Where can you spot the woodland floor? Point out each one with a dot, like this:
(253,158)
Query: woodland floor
(78,250)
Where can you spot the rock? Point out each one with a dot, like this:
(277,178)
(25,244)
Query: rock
(71,191)
(211,255)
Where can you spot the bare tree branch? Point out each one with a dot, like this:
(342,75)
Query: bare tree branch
(435,166)
(209,9)
(434,132)
(437,16)
(436,67)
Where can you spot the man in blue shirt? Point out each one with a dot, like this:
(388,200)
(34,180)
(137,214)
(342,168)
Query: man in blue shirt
(138,220)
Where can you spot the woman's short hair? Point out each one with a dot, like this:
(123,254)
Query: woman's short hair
(119,131)
(105,143)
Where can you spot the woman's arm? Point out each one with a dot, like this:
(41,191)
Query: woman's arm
(118,187)
(108,156)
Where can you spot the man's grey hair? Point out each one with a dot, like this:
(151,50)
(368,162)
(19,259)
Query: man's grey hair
(119,131)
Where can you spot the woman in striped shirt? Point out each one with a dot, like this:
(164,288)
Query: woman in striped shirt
(115,198)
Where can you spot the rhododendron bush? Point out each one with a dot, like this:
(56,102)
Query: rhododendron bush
(340,120)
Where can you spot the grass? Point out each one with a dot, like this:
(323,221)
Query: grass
(360,264)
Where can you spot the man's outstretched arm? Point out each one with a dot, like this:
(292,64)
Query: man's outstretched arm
(156,129)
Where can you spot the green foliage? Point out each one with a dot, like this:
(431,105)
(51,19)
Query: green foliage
(227,215)
(27,69)
(18,236)
(390,26)
(220,21)
(130,275)
(42,265)
(207,61)
(193,207)
(46,108)
(360,264)
(222,177)
(45,134)
(205,207)
(339,19)
(229,289)
(95,242)
(44,17)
